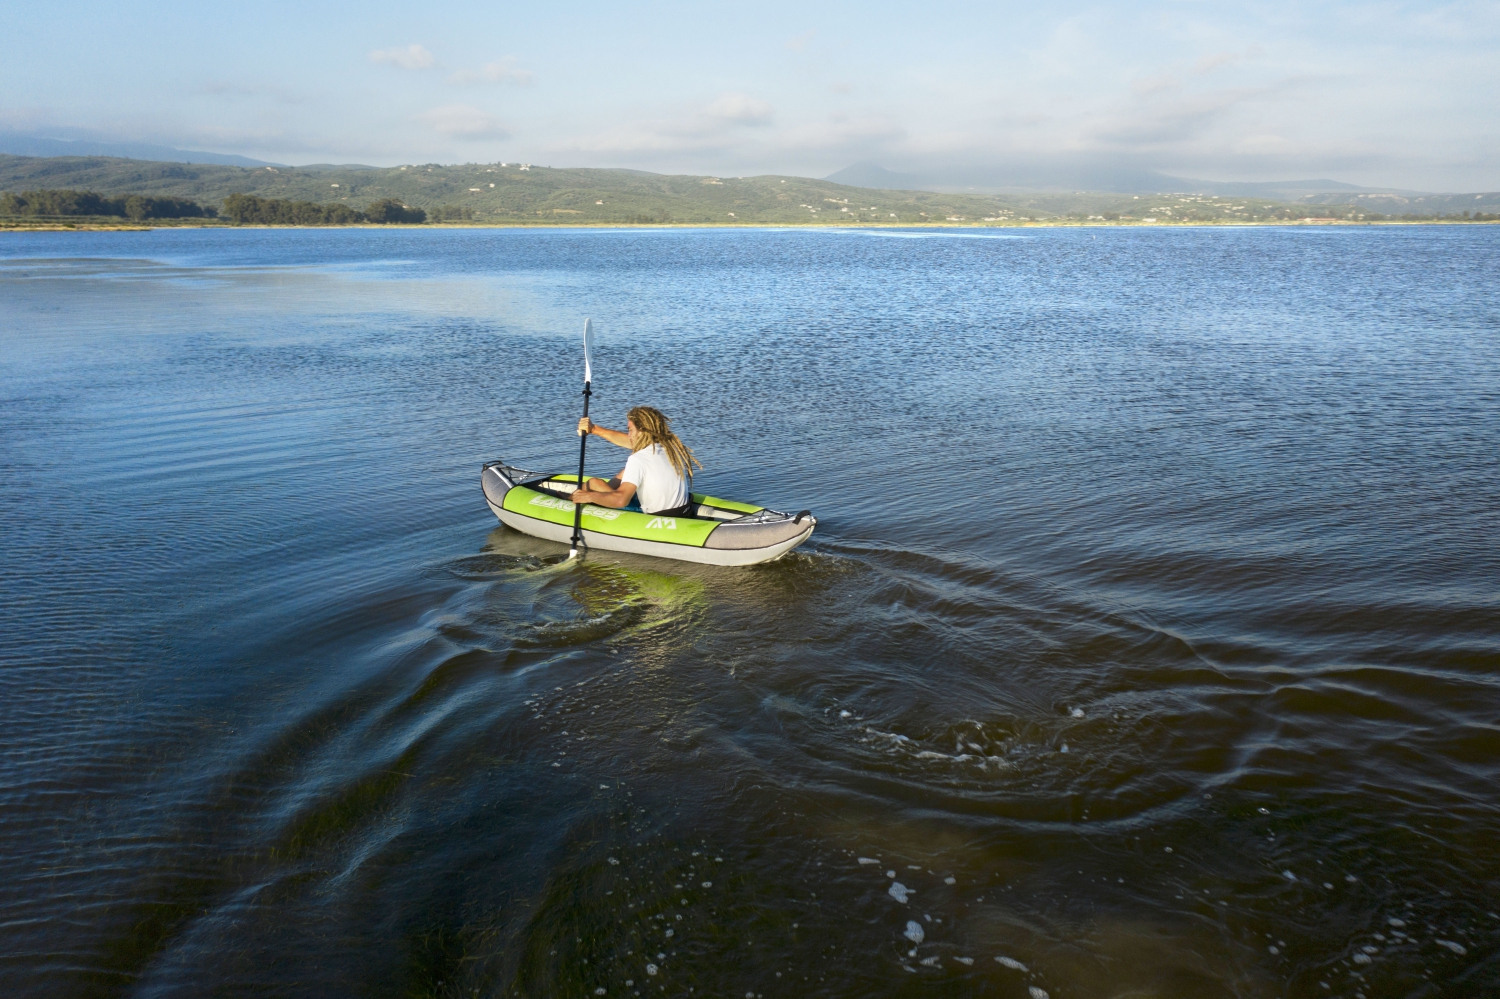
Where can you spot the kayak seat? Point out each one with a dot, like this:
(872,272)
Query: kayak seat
(703,512)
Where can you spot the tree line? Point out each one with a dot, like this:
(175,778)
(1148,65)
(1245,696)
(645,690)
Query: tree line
(131,206)
(241,209)
(247,209)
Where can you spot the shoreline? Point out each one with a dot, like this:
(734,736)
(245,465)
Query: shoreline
(1040,224)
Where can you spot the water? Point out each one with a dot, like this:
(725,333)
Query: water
(1149,639)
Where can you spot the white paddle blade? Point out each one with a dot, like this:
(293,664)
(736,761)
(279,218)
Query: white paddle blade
(588,350)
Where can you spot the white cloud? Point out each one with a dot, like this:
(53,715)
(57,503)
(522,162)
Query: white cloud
(699,143)
(501,71)
(411,57)
(1209,63)
(1148,85)
(1174,122)
(739,109)
(1264,145)
(714,128)
(856,136)
(464,121)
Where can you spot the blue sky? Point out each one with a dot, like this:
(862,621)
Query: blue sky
(1376,93)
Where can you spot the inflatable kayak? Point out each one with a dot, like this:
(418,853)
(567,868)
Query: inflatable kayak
(720,532)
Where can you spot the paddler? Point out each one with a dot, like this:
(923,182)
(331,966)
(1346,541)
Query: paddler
(658,474)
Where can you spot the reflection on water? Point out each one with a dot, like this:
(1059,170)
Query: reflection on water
(1147,645)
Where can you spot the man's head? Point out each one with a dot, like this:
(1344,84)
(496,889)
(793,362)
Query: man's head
(647,425)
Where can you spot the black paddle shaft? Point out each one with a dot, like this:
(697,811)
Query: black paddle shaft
(583,443)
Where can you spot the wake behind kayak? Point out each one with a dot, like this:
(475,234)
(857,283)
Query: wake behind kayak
(719,532)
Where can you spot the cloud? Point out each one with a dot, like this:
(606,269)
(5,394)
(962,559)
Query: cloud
(464,121)
(739,109)
(225,90)
(1175,122)
(411,57)
(712,128)
(1209,63)
(799,42)
(1264,145)
(855,136)
(722,125)
(501,71)
(1148,85)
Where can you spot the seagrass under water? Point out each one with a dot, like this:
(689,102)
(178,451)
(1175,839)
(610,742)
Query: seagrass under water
(1148,643)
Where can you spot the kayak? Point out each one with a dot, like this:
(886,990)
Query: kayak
(719,532)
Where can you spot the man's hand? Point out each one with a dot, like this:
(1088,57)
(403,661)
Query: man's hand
(584,425)
(580,496)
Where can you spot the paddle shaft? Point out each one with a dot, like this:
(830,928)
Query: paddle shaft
(583,443)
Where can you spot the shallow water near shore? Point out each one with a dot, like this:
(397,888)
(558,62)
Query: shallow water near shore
(1148,645)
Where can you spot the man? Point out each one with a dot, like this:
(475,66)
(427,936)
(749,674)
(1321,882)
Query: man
(657,476)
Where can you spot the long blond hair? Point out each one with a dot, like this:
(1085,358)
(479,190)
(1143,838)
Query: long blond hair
(653,427)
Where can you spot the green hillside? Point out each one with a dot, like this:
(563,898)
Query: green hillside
(509,193)
(1418,205)
(512,192)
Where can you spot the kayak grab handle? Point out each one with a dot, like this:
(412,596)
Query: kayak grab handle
(798,519)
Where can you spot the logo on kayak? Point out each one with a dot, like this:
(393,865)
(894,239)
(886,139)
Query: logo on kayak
(552,503)
(666,523)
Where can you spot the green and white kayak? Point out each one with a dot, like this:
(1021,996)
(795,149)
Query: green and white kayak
(720,532)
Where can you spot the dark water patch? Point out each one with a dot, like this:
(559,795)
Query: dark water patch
(477,567)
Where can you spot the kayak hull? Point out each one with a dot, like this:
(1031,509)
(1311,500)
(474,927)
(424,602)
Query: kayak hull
(723,532)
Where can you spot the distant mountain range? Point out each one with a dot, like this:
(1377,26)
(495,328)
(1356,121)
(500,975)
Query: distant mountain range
(17,144)
(1008,180)
(507,192)
(953,180)
(516,192)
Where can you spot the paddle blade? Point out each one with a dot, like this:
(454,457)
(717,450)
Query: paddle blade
(588,350)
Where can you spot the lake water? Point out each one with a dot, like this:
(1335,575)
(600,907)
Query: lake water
(1149,639)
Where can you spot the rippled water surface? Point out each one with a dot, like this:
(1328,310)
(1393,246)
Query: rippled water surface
(1149,643)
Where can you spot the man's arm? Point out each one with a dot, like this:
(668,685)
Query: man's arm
(606,496)
(615,437)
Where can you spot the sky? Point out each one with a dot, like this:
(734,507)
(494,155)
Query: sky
(1384,94)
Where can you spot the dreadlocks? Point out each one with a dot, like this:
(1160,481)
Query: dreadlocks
(652,427)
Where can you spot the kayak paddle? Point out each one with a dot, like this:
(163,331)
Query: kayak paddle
(583,442)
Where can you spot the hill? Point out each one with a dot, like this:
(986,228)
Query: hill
(510,192)
(1397,204)
(1055,188)
(35,145)
(1061,178)
(1052,178)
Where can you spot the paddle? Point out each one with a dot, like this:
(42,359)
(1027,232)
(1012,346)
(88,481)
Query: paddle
(583,442)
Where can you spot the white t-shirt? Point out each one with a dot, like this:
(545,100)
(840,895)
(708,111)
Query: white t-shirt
(657,485)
